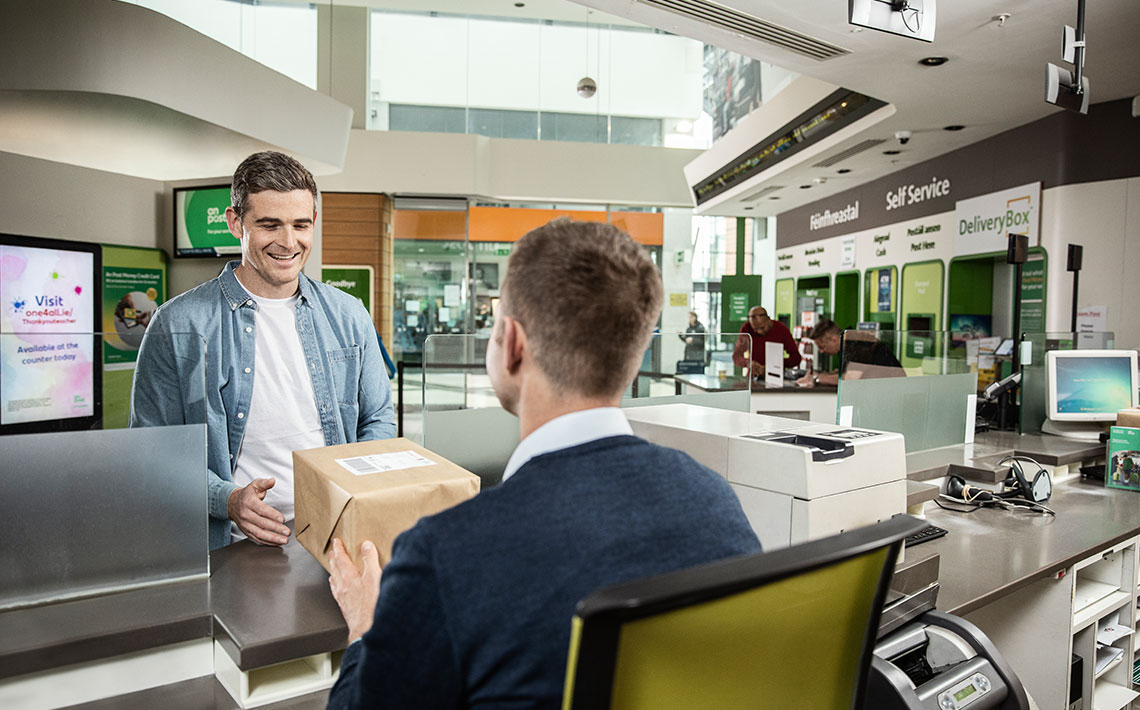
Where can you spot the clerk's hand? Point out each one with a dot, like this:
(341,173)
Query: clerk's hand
(254,517)
(806,381)
(355,591)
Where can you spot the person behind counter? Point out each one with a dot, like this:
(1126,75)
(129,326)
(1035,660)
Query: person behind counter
(694,338)
(864,357)
(290,363)
(763,330)
(476,604)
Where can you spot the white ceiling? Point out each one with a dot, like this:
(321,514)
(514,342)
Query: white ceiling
(993,82)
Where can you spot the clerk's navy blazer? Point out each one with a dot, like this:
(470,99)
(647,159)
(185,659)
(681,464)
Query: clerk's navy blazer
(475,606)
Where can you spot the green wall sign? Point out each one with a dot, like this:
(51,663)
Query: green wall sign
(1033,295)
(354,280)
(738,306)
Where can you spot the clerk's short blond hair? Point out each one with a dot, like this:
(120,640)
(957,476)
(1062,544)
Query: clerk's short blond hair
(588,297)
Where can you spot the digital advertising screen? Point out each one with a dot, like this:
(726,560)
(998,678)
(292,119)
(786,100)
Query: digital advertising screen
(200,222)
(50,367)
(1093,385)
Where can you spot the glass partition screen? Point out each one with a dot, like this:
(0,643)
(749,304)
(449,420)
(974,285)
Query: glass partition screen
(928,401)
(100,510)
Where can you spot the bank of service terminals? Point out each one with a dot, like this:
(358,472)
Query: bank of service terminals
(796,480)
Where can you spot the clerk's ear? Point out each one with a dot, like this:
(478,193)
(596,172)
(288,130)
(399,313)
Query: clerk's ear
(514,345)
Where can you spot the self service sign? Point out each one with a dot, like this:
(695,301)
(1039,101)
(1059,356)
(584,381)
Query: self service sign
(984,223)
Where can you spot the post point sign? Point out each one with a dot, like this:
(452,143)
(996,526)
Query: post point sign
(984,223)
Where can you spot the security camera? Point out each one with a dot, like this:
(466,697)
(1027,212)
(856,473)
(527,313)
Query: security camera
(586,87)
(903,137)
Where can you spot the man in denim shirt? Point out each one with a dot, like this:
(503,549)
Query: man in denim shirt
(288,363)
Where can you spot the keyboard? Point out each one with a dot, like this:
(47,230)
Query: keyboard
(928,533)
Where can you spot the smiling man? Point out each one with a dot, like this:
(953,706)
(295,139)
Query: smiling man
(289,363)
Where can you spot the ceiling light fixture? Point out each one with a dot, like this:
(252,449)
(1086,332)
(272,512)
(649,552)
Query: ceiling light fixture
(1001,17)
(954,127)
(933,61)
(843,171)
(805,187)
(891,152)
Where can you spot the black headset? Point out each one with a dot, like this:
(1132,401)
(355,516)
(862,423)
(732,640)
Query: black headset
(1016,485)
(1038,490)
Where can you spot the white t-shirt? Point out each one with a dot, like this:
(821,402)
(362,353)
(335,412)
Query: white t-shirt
(283,415)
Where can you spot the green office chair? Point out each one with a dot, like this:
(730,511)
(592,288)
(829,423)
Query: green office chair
(787,629)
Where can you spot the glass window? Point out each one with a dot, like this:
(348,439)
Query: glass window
(578,127)
(635,131)
(435,119)
(502,124)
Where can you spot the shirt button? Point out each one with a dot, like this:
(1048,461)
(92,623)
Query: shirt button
(312,364)
(247,370)
(248,329)
(241,415)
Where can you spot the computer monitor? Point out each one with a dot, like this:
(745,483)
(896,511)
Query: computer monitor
(51,368)
(1005,348)
(1086,387)
(200,228)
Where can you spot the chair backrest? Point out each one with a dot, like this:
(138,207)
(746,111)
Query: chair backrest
(792,628)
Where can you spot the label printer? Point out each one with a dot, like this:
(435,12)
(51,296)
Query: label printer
(796,480)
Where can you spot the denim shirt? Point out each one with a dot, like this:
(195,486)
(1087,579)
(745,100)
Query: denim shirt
(196,364)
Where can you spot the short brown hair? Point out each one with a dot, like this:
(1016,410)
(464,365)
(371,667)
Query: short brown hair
(824,327)
(588,297)
(268,170)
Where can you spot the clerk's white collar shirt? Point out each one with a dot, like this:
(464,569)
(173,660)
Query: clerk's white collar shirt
(568,430)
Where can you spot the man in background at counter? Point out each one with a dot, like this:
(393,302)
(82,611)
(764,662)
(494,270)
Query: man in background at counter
(763,330)
(864,356)
(475,607)
(289,363)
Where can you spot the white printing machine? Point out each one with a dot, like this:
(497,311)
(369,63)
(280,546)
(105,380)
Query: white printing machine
(796,480)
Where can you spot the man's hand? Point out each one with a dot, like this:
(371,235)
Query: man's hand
(806,381)
(355,591)
(757,369)
(254,517)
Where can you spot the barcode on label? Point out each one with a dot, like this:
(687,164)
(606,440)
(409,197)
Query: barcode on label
(379,463)
(359,466)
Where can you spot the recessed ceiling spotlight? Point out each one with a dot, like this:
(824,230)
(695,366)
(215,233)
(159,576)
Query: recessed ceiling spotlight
(520,4)
(819,180)
(955,127)
(843,171)
(933,61)
(805,187)
(774,197)
(749,208)
(891,152)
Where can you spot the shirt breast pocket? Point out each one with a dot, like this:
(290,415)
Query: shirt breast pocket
(345,366)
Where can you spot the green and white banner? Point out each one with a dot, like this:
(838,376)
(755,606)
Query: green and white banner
(984,223)
(134,285)
(353,280)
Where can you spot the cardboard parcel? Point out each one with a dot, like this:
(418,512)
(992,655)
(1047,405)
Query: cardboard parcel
(1128,418)
(371,490)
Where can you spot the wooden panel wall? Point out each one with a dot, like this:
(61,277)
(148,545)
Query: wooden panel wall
(357,229)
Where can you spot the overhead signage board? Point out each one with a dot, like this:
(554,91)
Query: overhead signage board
(983,224)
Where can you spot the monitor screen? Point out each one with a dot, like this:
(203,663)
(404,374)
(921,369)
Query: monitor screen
(50,361)
(1005,348)
(920,322)
(200,227)
(1090,384)
(969,327)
